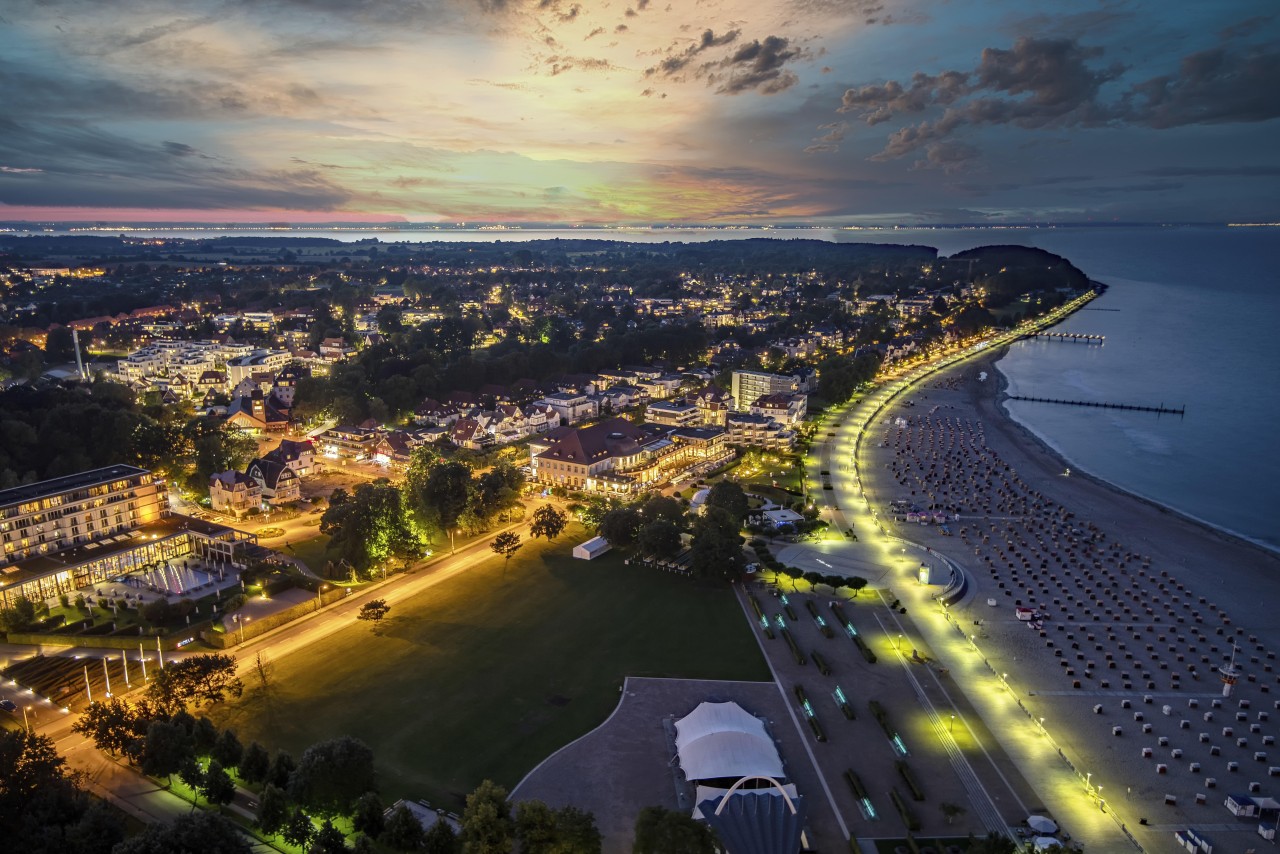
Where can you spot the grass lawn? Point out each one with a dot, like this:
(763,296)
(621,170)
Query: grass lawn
(310,551)
(480,678)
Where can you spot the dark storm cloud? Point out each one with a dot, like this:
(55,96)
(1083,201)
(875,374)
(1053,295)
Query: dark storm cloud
(677,62)
(1211,87)
(759,66)
(1058,83)
(85,166)
(949,156)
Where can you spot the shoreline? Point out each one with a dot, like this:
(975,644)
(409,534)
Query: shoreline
(1046,447)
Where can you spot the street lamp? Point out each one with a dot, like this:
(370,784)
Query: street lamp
(26,723)
(318,589)
(951,727)
(452,550)
(899,647)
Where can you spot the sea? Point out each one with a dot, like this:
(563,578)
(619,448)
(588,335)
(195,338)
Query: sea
(1190,321)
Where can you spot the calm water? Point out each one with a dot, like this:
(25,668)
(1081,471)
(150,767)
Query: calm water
(1194,324)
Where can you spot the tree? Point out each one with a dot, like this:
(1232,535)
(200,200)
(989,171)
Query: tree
(814,579)
(99,830)
(374,610)
(577,832)
(403,831)
(663,831)
(255,764)
(440,838)
(297,829)
(535,827)
(205,832)
(227,750)
(273,810)
(542,830)
(31,773)
(205,734)
(369,525)
(729,496)
(442,496)
(363,845)
(208,678)
(951,811)
(547,522)
(113,725)
(368,817)
(717,545)
(506,544)
(855,583)
(282,767)
(332,775)
(487,827)
(663,507)
(620,526)
(218,787)
(328,840)
(660,537)
(18,617)
(168,749)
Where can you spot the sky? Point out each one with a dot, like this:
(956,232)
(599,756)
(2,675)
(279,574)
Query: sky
(640,111)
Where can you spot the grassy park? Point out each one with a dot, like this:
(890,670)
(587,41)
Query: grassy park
(484,678)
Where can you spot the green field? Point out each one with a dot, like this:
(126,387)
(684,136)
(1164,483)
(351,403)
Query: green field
(484,679)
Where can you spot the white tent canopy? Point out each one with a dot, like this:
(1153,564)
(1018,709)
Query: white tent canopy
(723,740)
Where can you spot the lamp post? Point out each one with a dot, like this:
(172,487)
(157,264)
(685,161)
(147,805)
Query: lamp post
(899,646)
(951,727)
(26,723)
(318,600)
(87,690)
(107,674)
(452,549)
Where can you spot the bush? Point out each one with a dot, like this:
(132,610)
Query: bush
(817,729)
(917,794)
(820,663)
(864,649)
(795,650)
(908,817)
(855,783)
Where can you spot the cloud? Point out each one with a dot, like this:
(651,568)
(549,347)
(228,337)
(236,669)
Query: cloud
(1212,86)
(759,66)
(1059,83)
(949,156)
(676,62)
(829,141)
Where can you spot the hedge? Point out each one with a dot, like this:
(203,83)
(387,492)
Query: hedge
(169,641)
(795,650)
(866,651)
(917,794)
(821,663)
(855,783)
(254,628)
(908,817)
(882,717)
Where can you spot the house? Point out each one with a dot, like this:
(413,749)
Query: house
(298,456)
(758,430)
(713,403)
(619,397)
(348,443)
(572,406)
(673,413)
(469,433)
(395,449)
(258,413)
(234,493)
(335,349)
(541,418)
(786,409)
(433,412)
(276,481)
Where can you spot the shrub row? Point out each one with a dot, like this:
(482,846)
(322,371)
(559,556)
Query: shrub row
(795,650)
(755,605)
(817,729)
(813,609)
(864,649)
(855,782)
(790,612)
(847,711)
(839,612)
(882,718)
(821,663)
(917,794)
(908,817)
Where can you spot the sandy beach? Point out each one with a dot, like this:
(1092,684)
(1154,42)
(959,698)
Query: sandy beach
(1137,609)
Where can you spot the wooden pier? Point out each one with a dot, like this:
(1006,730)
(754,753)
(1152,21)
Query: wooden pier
(1159,410)
(1080,337)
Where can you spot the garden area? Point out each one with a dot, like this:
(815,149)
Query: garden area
(482,678)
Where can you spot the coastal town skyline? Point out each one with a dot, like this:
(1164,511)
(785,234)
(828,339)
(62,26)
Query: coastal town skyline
(905,111)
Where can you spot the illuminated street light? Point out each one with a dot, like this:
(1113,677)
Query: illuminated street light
(952,726)
(26,723)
